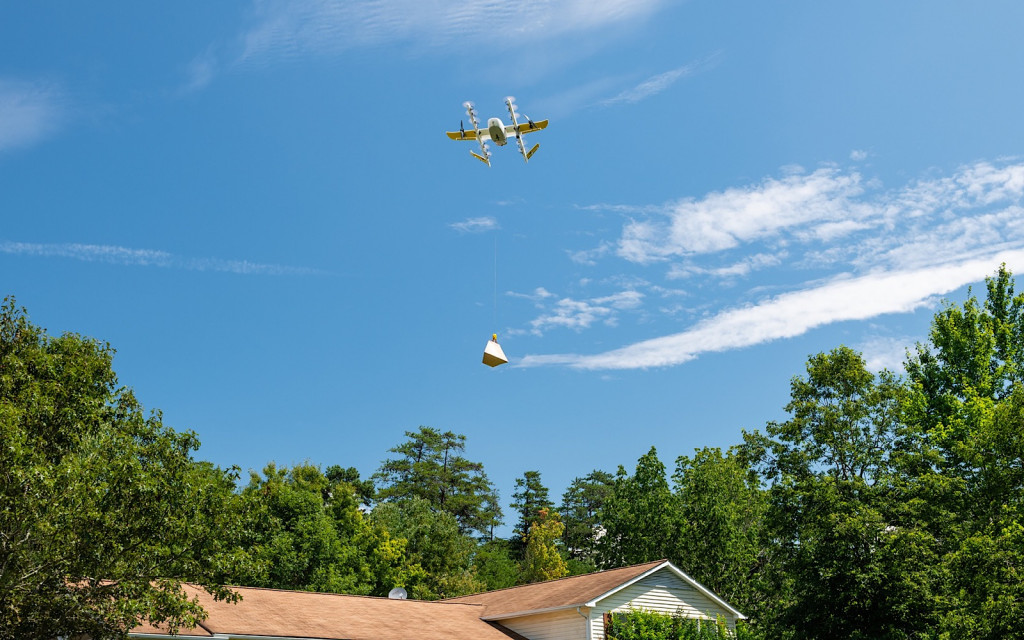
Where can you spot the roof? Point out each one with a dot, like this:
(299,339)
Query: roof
(304,614)
(563,593)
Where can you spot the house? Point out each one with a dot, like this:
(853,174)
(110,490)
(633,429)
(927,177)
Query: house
(571,608)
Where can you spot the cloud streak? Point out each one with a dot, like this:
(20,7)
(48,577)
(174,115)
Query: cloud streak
(657,83)
(286,29)
(29,111)
(884,252)
(790,315)
(148,258)
(476,225)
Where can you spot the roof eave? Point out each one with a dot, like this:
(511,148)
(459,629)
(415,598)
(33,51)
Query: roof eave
(533,612)
(682,575)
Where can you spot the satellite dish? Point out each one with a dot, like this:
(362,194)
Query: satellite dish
(398,593)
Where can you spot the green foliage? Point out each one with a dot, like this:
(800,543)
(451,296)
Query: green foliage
(641,624)
(307,532)
(103,511)
(493,564)
(434,542)
(837,544)
(581,504)
(721,512)
(529,499)
(639,518)
(430,467)
(542,561)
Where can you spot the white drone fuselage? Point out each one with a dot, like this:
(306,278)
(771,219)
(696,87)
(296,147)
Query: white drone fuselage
(496,129)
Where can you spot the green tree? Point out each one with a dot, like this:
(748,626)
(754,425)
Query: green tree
(639,517)
(721,510)
(493,564)
(430,466)
(434,542)
(581,504)
(528,500)
(542,561)
(307,532)
(850,561)
(966,428)
(103,511)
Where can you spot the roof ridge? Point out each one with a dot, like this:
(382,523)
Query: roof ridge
(345,595)
(533,584)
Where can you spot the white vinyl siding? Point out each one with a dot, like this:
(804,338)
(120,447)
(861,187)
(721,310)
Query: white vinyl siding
(557,625)
(663,592)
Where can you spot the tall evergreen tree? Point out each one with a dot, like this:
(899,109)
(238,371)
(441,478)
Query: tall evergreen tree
(529,499)
(430,466)
(581,504)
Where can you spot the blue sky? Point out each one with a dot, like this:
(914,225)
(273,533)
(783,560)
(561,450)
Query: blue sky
(256,205)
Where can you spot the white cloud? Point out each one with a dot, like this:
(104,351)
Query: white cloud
(147,258)
(744,267)
(475,225)
(650,87)
(790,315)
(727,219)
(28,112)
(323,27)
(581,314)
(540,293)
(858,155)
(885,352)
(882,252)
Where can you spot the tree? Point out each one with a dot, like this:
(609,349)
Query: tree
(721,512)
(430,467)
(307,532)
(434,542)
(103,511)
(528,500)
(581,504)
(965,411)
(494,565)
(542,561)
(848,558)
(639,517)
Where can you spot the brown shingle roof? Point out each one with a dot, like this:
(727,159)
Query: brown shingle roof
(271,612)
(554,594)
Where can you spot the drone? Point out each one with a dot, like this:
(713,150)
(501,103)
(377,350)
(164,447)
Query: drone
(498,132)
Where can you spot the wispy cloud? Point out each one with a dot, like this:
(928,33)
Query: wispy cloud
(283,29)
(29,111)
(148,258)
(658,83)
(814,203)
(790,315)
(887,251)
(476,225)
(885,352)
(581,314)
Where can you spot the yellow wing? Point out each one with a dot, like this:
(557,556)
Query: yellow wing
(465,135)
(527,127)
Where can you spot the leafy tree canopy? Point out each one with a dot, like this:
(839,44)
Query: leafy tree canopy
(104,512)
(306,531)
(434,542)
